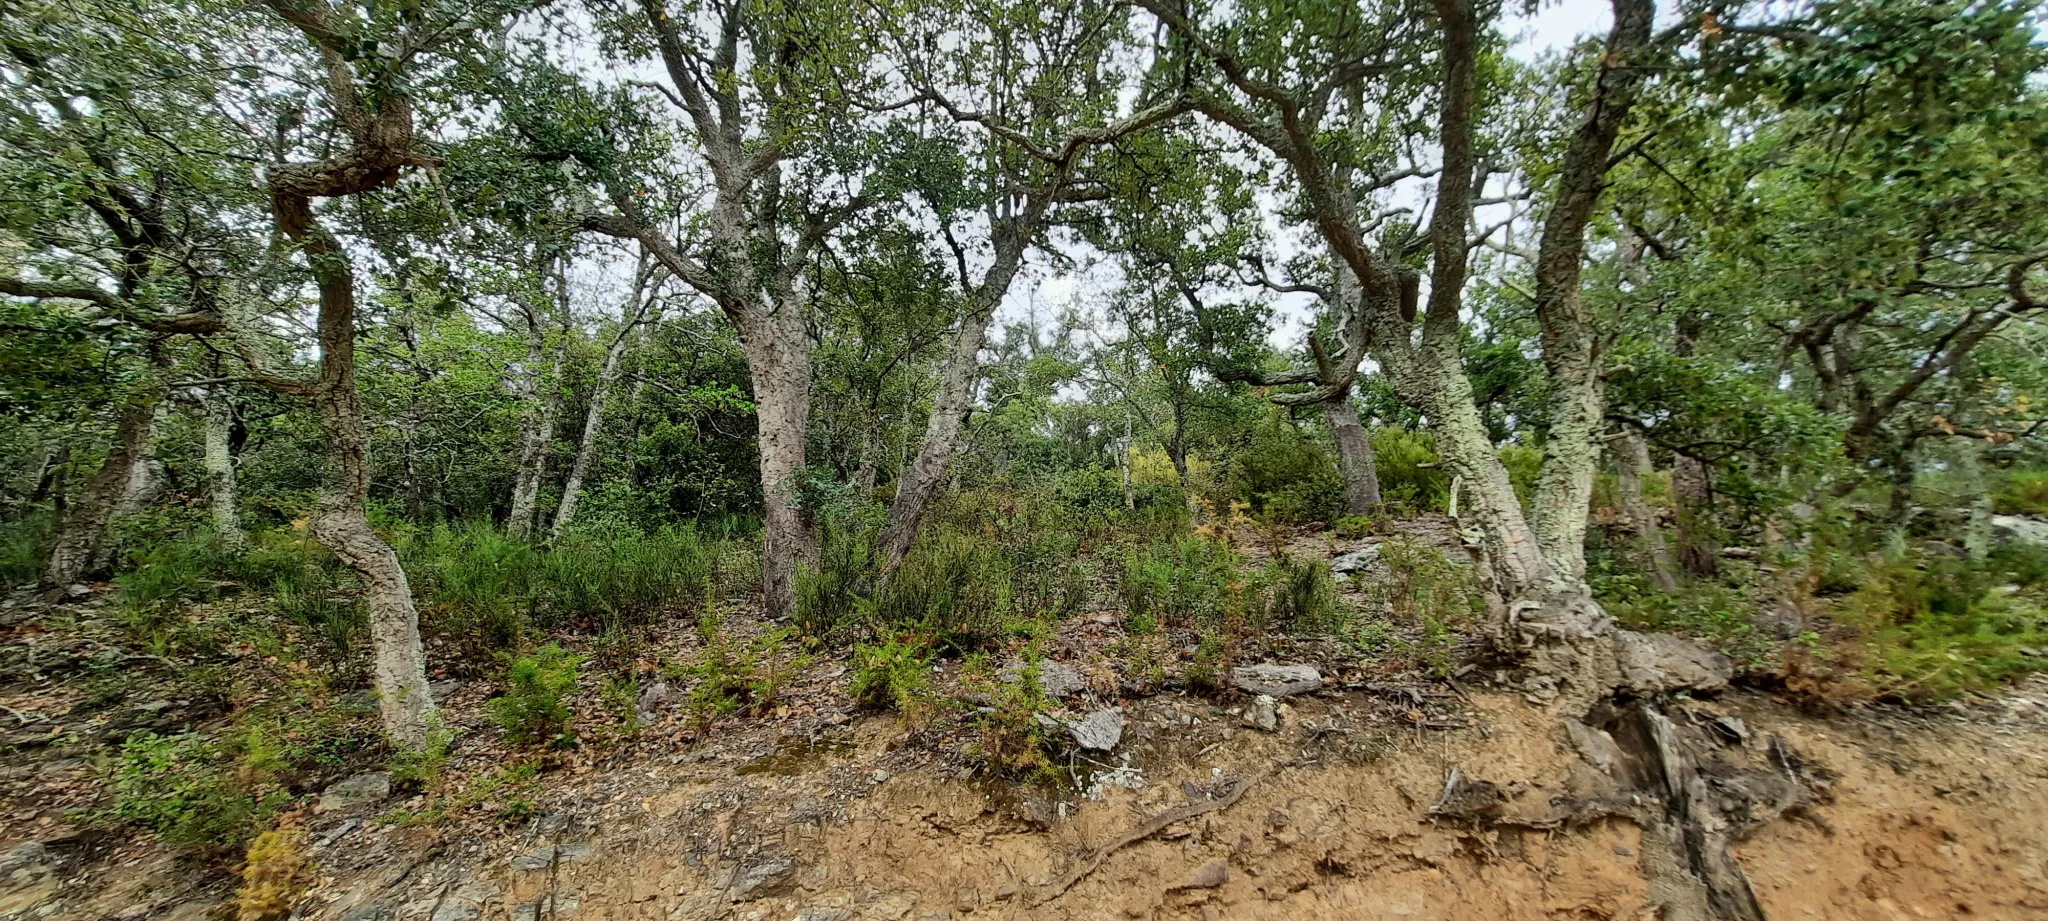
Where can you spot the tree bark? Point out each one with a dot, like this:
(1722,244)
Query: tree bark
(1571,350)
(1354,455)
(1631,461)
(221,490)
(779,360)
(82,530)
(543,399)
(593,418)
(926,474)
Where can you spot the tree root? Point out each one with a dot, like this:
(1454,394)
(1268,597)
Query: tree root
(1144,830)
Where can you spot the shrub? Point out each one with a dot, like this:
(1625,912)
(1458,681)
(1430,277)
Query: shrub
(480,582)
(1177,584)
(186,790)
(532,709)
(1406,462)
(275,873)
(24,547)
(734,675)
(1939,627)
(827,595)
(169,574)
(622,577)
(952,590)
(1425,588)
(1300,594)
(2024,492)
(891,675)
(1285,476)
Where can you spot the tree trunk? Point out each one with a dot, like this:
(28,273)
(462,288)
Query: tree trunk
(955,397)
(1519,568)
(779,360)
(340,520)
(537,431)
(82,532)
(220,470)
(1631,461)
(1124,460)
(1354,455)
(593,419)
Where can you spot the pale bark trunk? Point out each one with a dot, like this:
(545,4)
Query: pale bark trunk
(1354,455)
(593,419)
(1631,461)
(925,475)
(779,359)
(1124,460)
(1518,566)
(1571,350)
(340,520)
(221,490)
(82,533)
(537,431)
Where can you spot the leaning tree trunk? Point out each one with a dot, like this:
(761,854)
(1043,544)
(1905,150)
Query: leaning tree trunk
(221,491)
(779,360)
(1354,455)
(925,475)
(1631,461)
(593,423)
(83,530)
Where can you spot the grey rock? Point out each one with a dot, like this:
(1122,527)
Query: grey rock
(763,879)
(375,910)
(77,590)
(455,913)
(1594,745)
(2019,529)
(1264,713)
(1055,679)
(357,790)
(28,855)
(1659,663)
(1209,875)
(1100,730)
(1278,681)
(824,914)
(653,699)
(541,858)
(440,691)
(1780,619)
(1356,561)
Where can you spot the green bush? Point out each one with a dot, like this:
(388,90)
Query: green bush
(1301,595)
(533,710)
(828,594)
(952,589)
(24,547)
(623,577)
(479,584)
(2024,492)
(1428,590)
(734,675)
(1178,584)
(1406,462)
(1284,475)
(1939,627)
(891,675)
(186,789)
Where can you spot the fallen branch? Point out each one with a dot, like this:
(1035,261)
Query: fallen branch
(1145,829)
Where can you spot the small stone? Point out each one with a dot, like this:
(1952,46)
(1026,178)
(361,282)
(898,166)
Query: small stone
(1107,620)
(653,700)
(824,914)
(763,879)
(357,790)
(1263,713)
(1622,850)
(1100,730)
(1056,680)
(1356,560)
(76,591)
(1209,875)
(1006,892)
(1276,680)
(880,776)
(537,859)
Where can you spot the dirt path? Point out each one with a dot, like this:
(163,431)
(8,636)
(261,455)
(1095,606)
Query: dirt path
(1921,819)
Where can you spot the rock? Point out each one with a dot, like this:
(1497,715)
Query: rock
(880,776)
(28,855)
(1594,745)
(1659,663)
(541,858)
(763,879)
(2019,529)
(1356,560)
(1780,619)
(1209,875)
(354,791)
(440,691)
(1276,680)
(653,700)
(76,591)
(1263,713)
(1055,679)
(1100,730)
(824,914)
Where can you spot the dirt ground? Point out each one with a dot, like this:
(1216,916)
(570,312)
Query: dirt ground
(817,811)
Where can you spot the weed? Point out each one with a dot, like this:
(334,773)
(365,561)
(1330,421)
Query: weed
(276,871)
(733,675)
(532,709)
(1178,584)
(2024,492)
(891,675)
(1939,627)
(1301,594)
(186,789)
(952,590)
(1424,588)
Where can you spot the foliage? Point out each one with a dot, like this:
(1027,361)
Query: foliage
(276,871)
(186,790)
(1178,584)
(734,675)
(890,675)
(2024,492)
(1425,590)
(1934,628)
(533,708)
(1301,594)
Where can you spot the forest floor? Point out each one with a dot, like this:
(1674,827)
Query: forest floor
(1336,804)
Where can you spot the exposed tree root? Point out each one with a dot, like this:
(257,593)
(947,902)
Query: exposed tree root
(1146,829)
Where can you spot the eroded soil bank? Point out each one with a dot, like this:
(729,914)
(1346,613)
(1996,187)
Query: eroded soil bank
(1340,814)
